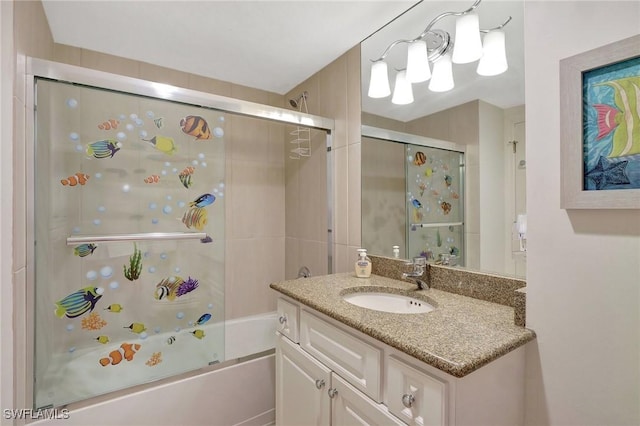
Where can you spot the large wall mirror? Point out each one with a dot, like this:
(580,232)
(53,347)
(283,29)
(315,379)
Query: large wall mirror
(443,176)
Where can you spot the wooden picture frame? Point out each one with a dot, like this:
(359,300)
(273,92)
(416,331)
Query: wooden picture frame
(600,127)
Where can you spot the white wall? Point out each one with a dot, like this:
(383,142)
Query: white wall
(583,267)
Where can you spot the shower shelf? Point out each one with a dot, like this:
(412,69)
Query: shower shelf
(436,225)
(153,236)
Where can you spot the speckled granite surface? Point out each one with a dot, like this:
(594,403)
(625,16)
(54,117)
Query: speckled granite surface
(461,335)
(489,287)
(520,307)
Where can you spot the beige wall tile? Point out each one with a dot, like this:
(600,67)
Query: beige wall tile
(291,257)
(354,103)
(333,101)
(341,195)
(163,75)
(314,255)
(464,123)
(209,85)
(342,260)
(383,122)
(249,94)
(258,200)
(109,63)
(32,35)
(355,194)
(19,187)
(278,141)
(312,194)
(292,200)
(250,138)
(67,54)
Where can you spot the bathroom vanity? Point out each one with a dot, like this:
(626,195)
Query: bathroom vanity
(338,363)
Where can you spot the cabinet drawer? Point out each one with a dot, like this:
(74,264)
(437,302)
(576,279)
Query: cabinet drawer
(350,407)
(354,360)
(414,396)
(288,320)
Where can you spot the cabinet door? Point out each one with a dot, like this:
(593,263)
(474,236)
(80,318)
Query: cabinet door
(351,407)
(288,319)
(414,396)
(301,387)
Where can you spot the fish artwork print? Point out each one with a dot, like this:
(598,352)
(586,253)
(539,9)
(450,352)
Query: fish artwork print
(194,125)
(611,122)
(84,250)
(79,302)
(103,149)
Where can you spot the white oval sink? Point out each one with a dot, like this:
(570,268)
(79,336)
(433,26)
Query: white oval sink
(388,302)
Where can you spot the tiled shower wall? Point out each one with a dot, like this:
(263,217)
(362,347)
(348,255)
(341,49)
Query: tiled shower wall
(333,92)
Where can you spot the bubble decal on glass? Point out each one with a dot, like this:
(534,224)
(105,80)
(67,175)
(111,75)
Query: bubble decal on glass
(114,285)
(106,272)
(92,275)
(72,103)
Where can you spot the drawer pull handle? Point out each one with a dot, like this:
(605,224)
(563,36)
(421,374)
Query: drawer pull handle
(407,400)
(332,392)
(282,319)
(319,383)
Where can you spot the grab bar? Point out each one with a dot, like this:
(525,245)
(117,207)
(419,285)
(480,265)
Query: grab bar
(153,236)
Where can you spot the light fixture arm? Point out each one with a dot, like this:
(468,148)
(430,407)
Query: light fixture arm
(443,35)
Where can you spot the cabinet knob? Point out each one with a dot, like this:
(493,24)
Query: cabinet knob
(407,400)
(282,319)
(319,383)
(332,392)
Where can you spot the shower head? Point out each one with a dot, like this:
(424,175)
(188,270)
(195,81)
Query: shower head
(296,102)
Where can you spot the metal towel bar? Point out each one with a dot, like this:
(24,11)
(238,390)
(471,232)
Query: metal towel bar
(149,236)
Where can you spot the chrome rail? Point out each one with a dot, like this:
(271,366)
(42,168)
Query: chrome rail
(149,236)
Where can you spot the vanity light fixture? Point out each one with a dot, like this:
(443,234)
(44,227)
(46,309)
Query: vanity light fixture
(437,47)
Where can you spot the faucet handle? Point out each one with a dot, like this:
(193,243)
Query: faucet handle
(420,261)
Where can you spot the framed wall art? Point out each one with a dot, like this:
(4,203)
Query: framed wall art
(600,127)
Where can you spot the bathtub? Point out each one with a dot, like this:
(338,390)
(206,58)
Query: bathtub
(239,390)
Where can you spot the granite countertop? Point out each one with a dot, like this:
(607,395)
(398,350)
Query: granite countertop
(461,335)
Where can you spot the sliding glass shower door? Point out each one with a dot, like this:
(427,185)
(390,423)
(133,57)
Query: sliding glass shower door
(435,204)
(129,232)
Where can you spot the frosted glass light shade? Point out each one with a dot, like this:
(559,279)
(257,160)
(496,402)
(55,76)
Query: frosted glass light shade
(418,69)
(494,56)
(467,46)
(442,78)
(379,82)
(402,92)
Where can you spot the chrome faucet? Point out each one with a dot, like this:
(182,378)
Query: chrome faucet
(418,266)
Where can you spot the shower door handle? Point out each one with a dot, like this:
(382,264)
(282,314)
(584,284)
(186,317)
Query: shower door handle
(148,236)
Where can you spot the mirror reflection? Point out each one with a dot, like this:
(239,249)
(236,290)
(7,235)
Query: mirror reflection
(444,176)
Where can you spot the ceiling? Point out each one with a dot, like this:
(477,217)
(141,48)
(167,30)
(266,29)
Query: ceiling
(269,45)
(275,45)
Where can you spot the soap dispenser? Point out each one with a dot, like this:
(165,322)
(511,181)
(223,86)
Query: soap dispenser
(363,264)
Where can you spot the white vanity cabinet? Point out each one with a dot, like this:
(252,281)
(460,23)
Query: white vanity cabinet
(330,374)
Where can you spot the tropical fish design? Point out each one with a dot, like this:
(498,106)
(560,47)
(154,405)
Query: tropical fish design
(446,207)
(196,126)
(204,318)
(78,178)
(103,339)
(103,149)
(185,176)
(195,217)
(159,122)
(416,215)
(420,158)
(168,288)
(115,307)
(136,327)
(152,179)
(428,172)
(84,250)
(198,334)
(163,144)
(438,238)
(416,203)
(623,118)
(109,124)
(171,340)
(125,351)
(79,302)
(422,186)
(203,200)
(448,180)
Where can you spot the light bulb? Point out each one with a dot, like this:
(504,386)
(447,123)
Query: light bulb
(379,82)
(402,92)
(494,57)
(442,78)
(467,46)
(418,62)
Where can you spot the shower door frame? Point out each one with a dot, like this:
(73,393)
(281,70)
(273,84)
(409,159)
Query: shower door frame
(410,139)
(40,68)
